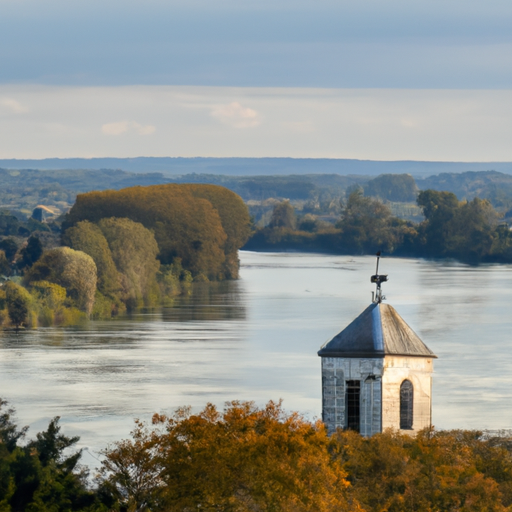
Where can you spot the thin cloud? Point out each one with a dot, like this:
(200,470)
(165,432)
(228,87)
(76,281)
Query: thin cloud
(236,115)
(121,127)
(13,106)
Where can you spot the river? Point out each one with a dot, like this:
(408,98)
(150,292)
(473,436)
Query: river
(257,338)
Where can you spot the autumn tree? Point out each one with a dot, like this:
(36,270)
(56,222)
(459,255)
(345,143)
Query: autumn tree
(134,251)
(73,270)
(434,470)
(88,238)
(204,225)
(235,220)
(241,459)
(5,266)
(18,303)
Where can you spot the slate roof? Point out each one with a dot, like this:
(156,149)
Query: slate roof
(378,331)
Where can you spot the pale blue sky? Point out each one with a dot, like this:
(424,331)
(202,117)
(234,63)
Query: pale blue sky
(256,78)
(462,44)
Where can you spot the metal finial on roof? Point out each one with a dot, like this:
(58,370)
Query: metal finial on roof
(378,280)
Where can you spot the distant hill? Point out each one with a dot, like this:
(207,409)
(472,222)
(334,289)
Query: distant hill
(23,189)
(258,166)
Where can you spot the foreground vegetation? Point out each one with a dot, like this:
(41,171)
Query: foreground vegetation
(246,458)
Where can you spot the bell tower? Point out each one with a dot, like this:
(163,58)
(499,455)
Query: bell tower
(377,373)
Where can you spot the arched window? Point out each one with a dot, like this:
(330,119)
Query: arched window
(406,404)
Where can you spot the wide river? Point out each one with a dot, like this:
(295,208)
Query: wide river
(257,339)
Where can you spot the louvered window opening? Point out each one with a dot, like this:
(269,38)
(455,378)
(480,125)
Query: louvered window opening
(353,403)
(406,405)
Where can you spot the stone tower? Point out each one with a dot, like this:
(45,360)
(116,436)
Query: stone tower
(377,373)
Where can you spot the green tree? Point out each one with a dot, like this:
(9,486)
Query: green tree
(367,226)
(134,252)
(283,216)
(18,303)
(49,301)
(42,475)
(463,230)
(73,270)
(31,252)
(10,247)
(88,238)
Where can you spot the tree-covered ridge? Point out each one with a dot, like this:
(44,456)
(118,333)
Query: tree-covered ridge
(203,225)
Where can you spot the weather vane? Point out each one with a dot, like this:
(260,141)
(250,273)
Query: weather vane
(377,296)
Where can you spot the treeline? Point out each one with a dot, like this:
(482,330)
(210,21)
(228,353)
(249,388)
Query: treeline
(249,459)
(469,231)
(121,250)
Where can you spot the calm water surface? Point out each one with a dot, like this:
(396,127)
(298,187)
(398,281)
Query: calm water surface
(257,338)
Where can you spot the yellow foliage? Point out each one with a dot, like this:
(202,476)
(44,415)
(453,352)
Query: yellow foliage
(70,317)
(244,459)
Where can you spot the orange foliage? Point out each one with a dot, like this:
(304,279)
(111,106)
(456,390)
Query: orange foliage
(434,471)
(244,459)
(248,459)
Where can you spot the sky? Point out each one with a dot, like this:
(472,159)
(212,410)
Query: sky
(372,79)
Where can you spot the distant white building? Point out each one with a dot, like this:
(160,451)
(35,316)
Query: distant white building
(377,374)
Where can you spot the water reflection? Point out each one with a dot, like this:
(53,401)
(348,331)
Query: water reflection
(257,338)
(208,301)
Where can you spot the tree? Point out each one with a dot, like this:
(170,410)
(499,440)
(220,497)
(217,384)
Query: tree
(434,470)
(43,474)
(367,226)
(10,247)
(242,459)
(74,270)
(188,222)
(134,251)
(18,303)
(235,220)
(32,252)
(283,216)
(88,238)
(5,266)
(392,187)
(463,230)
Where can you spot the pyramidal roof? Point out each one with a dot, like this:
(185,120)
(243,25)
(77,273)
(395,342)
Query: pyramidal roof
(378,331)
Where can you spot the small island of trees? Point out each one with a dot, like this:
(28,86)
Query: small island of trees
(121,250)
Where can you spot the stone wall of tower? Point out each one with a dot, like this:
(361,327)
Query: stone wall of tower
(335,372)
(419,371)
